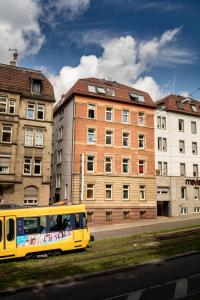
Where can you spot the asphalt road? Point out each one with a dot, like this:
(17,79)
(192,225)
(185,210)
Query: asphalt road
(172,279)
(113,232)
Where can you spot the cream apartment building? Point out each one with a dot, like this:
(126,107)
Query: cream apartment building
(26,120)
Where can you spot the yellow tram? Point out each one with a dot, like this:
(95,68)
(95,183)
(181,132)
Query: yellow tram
(27,232)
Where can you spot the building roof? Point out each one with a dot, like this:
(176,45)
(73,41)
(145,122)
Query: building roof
(18,80)
(179,104)
(112,91)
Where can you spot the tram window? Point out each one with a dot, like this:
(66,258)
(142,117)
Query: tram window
(59,222)
(1,230)
(10,229)
(35,225)
(77,221)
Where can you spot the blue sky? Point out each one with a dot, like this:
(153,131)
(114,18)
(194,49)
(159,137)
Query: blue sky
(152,45)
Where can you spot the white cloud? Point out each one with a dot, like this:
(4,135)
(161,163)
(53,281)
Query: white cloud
(19,28)
(125,60)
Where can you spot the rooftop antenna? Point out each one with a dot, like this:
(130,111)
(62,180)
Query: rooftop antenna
(15,56)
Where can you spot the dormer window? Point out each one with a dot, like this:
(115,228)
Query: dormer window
(91,89)
(36,86)
(111,92)
(193,107)
(179,105)
(135,97)
(101,90)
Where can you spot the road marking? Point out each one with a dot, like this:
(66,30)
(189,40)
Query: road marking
(135,295)
(181,288)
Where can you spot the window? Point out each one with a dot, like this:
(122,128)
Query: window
(125,139)
(126,214)
(11,106)
(27,166)
(108,164)
(108,191)
(142,195)
(108,216)
(193,127)
(59,156)
(91,136)
(3,105)
(109,114)
(136,97)
(125,165)
(6,134)
(182,169)
(29,137)
(58,181)
(4,169)
(183,193)
(91,89)
(37,166)
(36,86)
(125,116)
(40,112)
(179,105)
(161,122)
(183,211)
(194,148)
(197,210)
(101,90)
(90,163)
(196,193)
(91,111)
(195,171)
(10,229)
(141,119)
(182,146)
(125,192)
(141,166)
(60,133)
(39,138)
(30,111)
(90,191)
(181,125)
(30,196)
(4,164)
(162,144)
(194,107)
(111,92)
(141,141)
(109,137)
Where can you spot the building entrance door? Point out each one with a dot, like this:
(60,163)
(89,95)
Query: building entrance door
(163,208)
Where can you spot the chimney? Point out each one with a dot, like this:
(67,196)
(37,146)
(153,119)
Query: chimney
(15,56)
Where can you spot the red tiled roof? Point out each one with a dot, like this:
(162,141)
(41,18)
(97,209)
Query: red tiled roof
(121,92)
(170,104)
(18,80)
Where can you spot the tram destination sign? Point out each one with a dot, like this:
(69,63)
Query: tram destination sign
(192,181)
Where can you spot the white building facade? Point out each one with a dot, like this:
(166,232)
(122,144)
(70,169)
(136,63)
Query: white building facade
(177,156)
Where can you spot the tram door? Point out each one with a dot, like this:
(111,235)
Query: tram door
(7,236)
(77,232)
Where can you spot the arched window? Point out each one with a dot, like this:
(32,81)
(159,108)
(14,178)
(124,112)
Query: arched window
(31,196)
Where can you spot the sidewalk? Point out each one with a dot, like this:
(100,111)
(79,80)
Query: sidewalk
(142,223)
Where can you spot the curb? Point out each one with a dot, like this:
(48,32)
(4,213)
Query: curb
(91,275)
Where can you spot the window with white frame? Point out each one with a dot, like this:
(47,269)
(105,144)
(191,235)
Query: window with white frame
(4,164)
(125,116)
(37,166)
(141,119)
(163,168)
(196,210)
(111,92)
(91,89)
(11,106)
(59,156)
(27,166)
(30,111)
(125,165)
(182,169)
(126,192)
(161,122)
(194,107)
(7,105)
(193,127)
(108,164)
(40,112)
(142,192)
(109,114)
(162,144)
(30,196)
(125,139)
(60,133)
(183,193)
(195,170)
(109,137)
(141,166)
(141,141)
(91,136)
(90,163)
(194,148)
(90,191)
(36,86)
(101,90)
(6,136)
(58,181)
(181,125)
(108,191)
(3,105)
(91,111)
(183,211)
(39,138)
(29,134)
(182,146)
(34,137)
(196,193)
